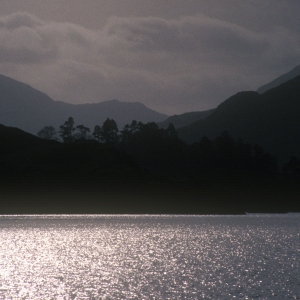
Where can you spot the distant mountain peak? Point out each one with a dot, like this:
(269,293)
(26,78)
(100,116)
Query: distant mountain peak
(26,108)
(114,100)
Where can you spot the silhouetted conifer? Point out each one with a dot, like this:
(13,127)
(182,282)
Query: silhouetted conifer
(66,130)
(109,131)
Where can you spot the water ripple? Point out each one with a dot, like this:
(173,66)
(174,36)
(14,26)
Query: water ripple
(149,257)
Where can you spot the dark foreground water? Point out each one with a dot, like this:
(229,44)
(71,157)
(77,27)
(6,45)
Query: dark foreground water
(150,257)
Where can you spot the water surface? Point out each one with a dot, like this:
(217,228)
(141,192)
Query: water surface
(150,257)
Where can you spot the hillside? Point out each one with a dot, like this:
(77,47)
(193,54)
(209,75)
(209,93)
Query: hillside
(30,110)
(15,141)
(20,151)
(33,162)
(152,173)
(185,119)
(279,80)
(271,120)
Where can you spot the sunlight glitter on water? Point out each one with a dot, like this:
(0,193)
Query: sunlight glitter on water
(149,257)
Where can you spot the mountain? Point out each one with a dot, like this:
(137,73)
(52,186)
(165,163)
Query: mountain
(15,141)
(19,151)
(32,168)
(29,109)
(279,80)
(271,120)
(185,119)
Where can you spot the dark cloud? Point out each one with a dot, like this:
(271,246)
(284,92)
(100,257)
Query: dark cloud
(171,65)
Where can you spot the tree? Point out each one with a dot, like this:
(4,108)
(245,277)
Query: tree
(129,131)
(171,131)
(292,167)
(97,133)
(48,133)
(66,130)
(82,132)
(109,131)
(264,162)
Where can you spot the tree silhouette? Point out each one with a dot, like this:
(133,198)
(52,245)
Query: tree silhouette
(97,133)
(48,133)
(83,132)
(264,162)
(129,131)
(157,150)
(66,130)
(171,131)
(109,131)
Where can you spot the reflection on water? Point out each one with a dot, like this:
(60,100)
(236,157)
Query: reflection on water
(150,257)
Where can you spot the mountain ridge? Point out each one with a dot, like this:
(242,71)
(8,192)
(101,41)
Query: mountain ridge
(279,80)
(185,119)
(27,108)
(271,120)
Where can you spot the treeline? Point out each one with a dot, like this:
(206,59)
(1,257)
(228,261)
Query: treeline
(161,153)
(107,133)
(140,169)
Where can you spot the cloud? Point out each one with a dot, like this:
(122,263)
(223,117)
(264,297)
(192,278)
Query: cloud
(186,34)
(174,65)
(26,39)
(198,39)
(17,20)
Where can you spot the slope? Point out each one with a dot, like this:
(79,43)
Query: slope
(279,80)
(185,119)
(271,120)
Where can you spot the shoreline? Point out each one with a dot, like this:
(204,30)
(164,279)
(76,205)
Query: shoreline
(184,199)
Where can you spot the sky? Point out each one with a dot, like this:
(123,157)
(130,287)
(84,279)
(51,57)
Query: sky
(174,56)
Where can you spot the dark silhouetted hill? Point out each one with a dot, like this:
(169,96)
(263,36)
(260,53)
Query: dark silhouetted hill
(19,151)
(271,120)
(26,108)
(34,161)
(152,172)
(185,119)
(279,80)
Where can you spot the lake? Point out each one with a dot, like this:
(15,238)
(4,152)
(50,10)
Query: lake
(150,257)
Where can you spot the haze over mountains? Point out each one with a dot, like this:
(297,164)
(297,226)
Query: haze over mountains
(30,110)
